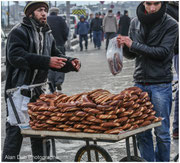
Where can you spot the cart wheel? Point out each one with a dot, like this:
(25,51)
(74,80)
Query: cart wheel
(49,159)
(97,153)
(133,159)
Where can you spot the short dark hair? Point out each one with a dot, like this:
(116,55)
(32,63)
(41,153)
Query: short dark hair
(125,12)
(110,10)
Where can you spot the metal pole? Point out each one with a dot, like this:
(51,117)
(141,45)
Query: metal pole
(88,151)
(102,9)
(128,149)
(1,14)
(8,13)
(17,10)
(68,24)
(55,3)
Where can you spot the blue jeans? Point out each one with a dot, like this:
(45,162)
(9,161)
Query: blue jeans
(161,98)
(97,35)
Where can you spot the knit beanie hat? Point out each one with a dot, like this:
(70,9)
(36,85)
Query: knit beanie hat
(54,10)
(31,6)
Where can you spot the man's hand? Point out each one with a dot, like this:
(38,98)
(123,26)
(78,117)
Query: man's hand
(57,62)
(124,40)
(76,64)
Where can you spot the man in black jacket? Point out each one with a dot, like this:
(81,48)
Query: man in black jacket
(30,53)
(60,32)
(152,36)
(96,27)
(124,24)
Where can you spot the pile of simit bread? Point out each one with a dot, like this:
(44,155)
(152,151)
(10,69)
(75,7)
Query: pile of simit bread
(98,111)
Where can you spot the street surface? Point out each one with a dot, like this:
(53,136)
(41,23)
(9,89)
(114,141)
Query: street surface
(94,74)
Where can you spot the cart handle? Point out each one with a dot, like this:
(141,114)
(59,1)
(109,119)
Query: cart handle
(28,87)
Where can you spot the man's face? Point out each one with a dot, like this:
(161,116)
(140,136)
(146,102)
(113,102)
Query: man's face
(152,6)
(40,14)
(97,16)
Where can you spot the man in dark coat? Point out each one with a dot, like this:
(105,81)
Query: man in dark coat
(60,32)
(152,36)
(96,27)
(124,24)
(30,53)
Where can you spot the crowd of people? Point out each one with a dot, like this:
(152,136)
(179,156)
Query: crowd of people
(36,52)
(100,26)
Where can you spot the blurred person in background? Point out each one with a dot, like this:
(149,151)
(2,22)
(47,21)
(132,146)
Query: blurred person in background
(118,16)
(89,21)
(60,32)
(124,24)
(82,30)
(96,28)
(109,26)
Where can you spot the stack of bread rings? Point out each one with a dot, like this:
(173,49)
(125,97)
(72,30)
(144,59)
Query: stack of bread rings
(98,111)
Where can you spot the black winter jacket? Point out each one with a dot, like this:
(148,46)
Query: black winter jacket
(124,25)
(153,53)
(59,29)
(96,24)
(22,58)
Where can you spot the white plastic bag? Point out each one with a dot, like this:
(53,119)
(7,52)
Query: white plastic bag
(20,103)
(114,56)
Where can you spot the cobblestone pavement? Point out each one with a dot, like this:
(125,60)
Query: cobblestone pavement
(94,74)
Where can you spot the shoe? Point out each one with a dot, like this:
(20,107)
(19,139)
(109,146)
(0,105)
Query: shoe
(81,50)
(99,48)
(86,48)
(175,135)
(94,46)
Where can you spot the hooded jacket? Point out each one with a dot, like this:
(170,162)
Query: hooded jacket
(83,27)
(154,37)
(22,57)
(110,23)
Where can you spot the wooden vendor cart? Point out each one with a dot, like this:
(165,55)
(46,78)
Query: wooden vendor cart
(89,152)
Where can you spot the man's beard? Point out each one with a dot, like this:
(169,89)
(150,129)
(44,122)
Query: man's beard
(41,24)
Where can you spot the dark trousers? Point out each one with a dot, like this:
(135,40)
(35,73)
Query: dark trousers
(57,78)
(109,35)
(13,142)
(91,35)
(81,38)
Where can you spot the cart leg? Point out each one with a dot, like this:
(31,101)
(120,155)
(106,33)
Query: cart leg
(45,149)
(88,151)
(14,108)
(96,153)
(135,145)
(128,149)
